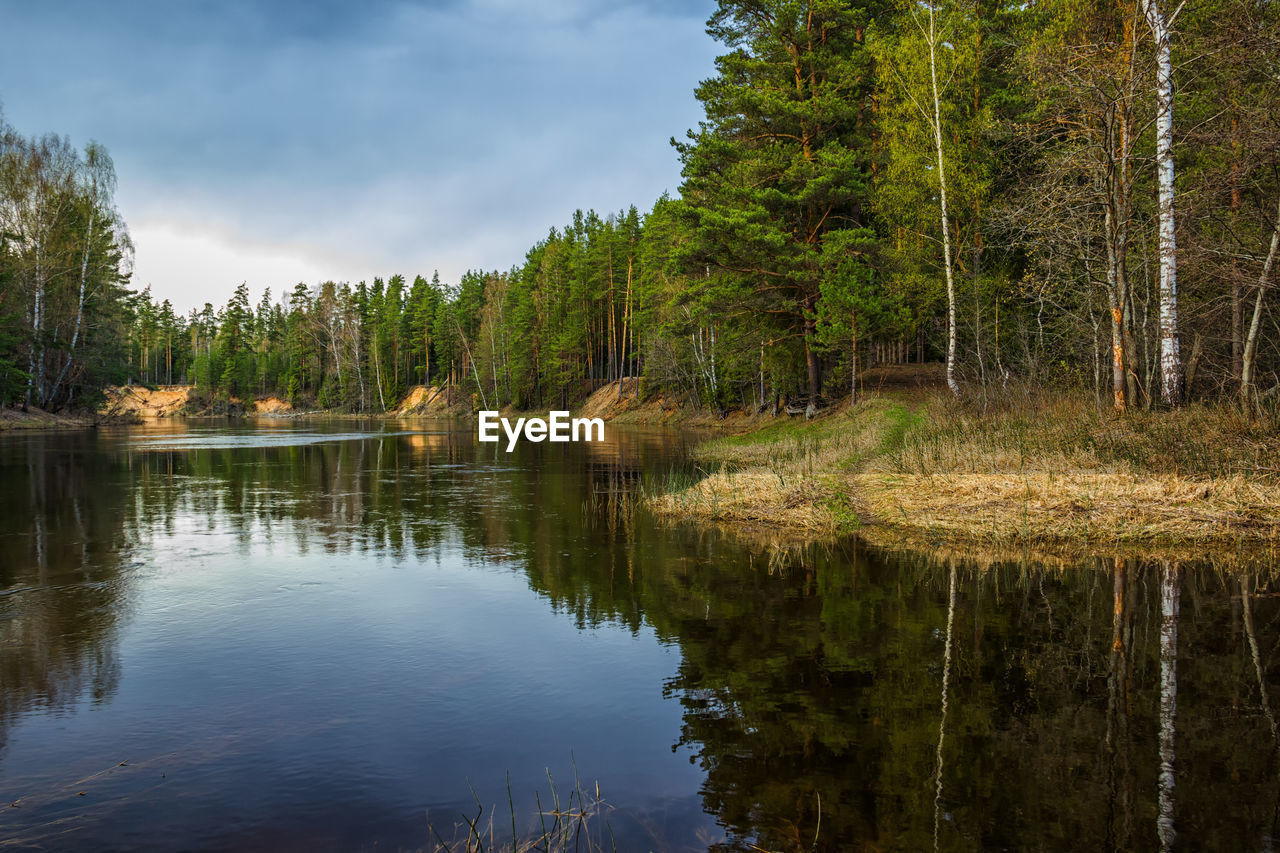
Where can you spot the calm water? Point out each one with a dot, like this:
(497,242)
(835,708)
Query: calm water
(324,635)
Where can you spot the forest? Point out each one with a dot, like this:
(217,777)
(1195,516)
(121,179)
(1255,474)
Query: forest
(1082,196)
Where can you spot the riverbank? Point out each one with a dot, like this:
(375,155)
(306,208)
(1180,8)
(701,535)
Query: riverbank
(1027,469)
(617,402)
(33,418)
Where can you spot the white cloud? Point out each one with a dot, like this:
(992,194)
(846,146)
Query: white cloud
(191,264)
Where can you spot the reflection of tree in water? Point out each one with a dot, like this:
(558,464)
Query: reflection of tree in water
(62,584)
(811,696)
(811,685)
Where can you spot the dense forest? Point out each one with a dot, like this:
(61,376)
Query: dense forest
(1084,195)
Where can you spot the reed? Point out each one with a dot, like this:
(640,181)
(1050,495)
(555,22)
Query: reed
(574,824)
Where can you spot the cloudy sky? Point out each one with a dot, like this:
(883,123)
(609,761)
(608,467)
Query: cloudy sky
(297,140)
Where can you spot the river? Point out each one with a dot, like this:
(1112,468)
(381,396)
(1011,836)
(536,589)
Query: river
(346,635)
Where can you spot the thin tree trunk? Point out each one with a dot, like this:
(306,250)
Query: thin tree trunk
(942,209)
(493,364)
(761,375)
(1119,709)
(811,359)
(626,320)
(360,370)
(1237,299)
(1251,341)
(37,353)
(853,358)
(84,275)
(377,372)
(1170,602)
(474,371)
(1170,359)
(946,685)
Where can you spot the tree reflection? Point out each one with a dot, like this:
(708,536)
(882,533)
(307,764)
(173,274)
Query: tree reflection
(809,677)
(63,579)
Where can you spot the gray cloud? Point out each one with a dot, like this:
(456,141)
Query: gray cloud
(374,138)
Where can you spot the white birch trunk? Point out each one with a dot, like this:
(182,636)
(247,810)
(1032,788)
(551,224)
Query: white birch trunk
(1170,359)
(942,205)
(377,372)
(946,685)
(75,336)
(1170,601)
(474,371)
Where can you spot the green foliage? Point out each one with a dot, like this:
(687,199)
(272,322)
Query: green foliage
(776,178)
(804,247)
(64,255)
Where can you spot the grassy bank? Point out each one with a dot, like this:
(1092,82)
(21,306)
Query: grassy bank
(1026,468)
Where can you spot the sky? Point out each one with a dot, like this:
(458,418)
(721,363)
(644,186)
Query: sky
(281,141)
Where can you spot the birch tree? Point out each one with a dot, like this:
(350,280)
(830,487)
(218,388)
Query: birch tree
(928,128)
(1170,605)
(1074,211)
(64,254)
(1170,359)
(931,39)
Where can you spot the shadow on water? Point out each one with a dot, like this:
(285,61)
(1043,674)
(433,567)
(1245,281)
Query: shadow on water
(820,697)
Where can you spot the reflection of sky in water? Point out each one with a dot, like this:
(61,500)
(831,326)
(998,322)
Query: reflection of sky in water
(240,645)
(315,649)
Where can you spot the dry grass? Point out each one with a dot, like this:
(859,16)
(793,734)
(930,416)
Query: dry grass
(753,497)
(788,474)
(1080,505)
(1062,433)
(1027,469)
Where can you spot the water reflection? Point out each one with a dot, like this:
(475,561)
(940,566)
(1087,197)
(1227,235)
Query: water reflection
(63,560)
(338,597)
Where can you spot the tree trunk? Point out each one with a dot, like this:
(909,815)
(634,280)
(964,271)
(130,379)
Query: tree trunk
(946,685)
(1170,601)
(1237,299)
(75,335)
(942,209)
(853,358)
(1170,359)
(1251,341)
(811,361)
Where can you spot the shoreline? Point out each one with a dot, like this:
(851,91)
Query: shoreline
(1044,473)
(911,464)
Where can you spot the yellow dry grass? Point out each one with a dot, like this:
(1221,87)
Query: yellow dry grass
(1032,470)
(753,497)
(1083,506)
(785,475)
